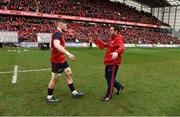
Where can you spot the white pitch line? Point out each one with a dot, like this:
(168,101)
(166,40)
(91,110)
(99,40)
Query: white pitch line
(7,72)
(23,71)
(34,70)
(19,51)
(14,78)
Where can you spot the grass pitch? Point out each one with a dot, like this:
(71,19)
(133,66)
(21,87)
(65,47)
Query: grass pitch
(151,78)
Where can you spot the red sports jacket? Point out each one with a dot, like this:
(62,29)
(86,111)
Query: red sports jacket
(114,45)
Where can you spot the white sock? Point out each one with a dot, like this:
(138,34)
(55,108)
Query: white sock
(49,97)
(74,92)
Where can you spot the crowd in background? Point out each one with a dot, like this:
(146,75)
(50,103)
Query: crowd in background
(28,27)
(86,8)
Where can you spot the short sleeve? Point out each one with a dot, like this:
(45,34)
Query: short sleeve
(57,35)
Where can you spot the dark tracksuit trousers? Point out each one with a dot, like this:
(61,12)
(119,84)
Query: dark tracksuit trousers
(110,74)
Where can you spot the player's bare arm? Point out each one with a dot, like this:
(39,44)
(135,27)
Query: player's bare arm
(62,50)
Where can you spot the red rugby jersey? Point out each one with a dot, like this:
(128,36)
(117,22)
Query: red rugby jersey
(56,56)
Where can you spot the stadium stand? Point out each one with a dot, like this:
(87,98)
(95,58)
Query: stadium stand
(86,8)
(28,27)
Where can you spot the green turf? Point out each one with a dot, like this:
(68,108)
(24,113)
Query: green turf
(151,78)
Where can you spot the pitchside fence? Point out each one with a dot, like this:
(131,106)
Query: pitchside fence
(12,37)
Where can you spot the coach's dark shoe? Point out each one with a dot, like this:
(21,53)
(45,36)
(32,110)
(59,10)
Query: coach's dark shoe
(105,99)
(53,100)
(119,90)
(79,94)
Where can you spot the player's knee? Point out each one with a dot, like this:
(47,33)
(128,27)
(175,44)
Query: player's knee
(54,76)
(68,71)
